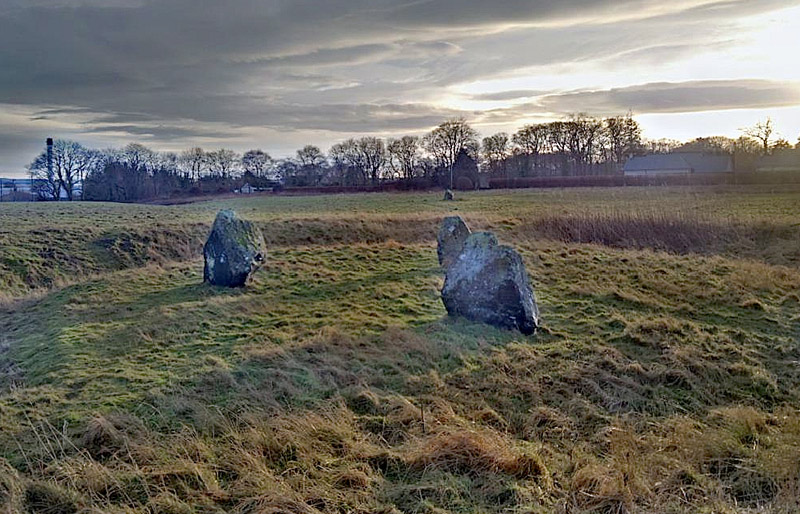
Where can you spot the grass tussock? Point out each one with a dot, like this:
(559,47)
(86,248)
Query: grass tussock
(470,451)
(50,498)
(10,488)
(108,436)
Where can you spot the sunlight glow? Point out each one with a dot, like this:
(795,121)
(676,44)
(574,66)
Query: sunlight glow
(760,47)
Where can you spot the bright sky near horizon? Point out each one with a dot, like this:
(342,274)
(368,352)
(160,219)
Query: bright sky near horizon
(278,74)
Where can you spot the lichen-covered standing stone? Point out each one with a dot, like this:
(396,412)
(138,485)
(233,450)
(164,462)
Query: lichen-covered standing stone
(235,249)
(452,235)
(488,283)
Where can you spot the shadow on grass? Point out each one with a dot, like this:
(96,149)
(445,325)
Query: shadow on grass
(86,331)
(335,365)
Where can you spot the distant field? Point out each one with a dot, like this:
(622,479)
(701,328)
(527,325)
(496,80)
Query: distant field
(666,377)
(42,245)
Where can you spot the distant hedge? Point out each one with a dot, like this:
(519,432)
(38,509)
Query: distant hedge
(772,177)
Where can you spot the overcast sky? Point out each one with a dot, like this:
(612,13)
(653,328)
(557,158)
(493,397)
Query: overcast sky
(277,74)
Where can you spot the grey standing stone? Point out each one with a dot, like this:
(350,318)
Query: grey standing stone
(235,249)
(488,283)
(448,195)
(452,235)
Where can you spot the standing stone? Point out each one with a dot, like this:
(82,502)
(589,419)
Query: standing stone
(235,248)
(488,283)
(448,195)
(452,235)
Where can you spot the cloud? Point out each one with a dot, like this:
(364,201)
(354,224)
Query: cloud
(163,133)
(665,97)
(181,69)
(508,95)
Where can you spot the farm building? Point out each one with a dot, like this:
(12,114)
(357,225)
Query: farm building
(678,163)
(25,190)
(16,190)
(780,160)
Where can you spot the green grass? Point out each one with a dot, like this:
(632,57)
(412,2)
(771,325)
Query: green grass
(665,377)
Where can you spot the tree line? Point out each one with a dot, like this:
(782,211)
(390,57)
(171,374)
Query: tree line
(577,145)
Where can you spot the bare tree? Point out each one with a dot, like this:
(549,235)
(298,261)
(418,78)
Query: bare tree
(256,162)
(138,156)
(496,150)
(746,152)
(763,132)
(558,138)
(365,156)
(126,177)
(169,161)
(341,156)
(404,155)
(44,180)
(287,170)
(747,144)
(781,144)
(661,145)
(448,140)
(713,144)
(623,138)
(193,161)
(310,155)
(223,163)
(311,163)
(71,163)
(92,161)
(347,157)
(583,140)
(531,141)
(372,153)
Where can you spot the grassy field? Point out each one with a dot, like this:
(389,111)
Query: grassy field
(666,377)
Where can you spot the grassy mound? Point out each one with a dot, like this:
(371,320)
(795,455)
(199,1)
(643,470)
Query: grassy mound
(665,379)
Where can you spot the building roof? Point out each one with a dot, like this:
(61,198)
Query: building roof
(781,159)
(708,162)
(21,184)
(657,162)
(679,162)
